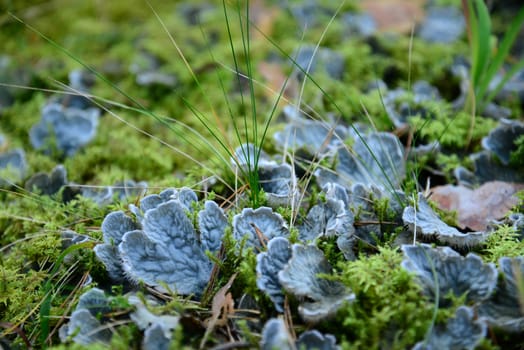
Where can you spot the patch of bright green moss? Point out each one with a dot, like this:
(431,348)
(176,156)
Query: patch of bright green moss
(503,242)
(451,129)
(389,311)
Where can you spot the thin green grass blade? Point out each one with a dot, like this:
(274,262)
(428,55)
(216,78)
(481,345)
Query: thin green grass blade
(482,38)
(237,70)
(203,120)
(250,174)
(473,35)
(502,53)
(246,41)
(186,63)
(246,44)
(509,74)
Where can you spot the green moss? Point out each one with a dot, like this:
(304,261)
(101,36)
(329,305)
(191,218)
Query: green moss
(329,247)
(517,156)
(31,227)
(503,242)
(18,119)
(426,61)
(117,147)
(389,311)
(449,128)
(448,163)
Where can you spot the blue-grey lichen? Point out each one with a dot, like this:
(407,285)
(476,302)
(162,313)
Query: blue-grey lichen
(464,331)
(114,226)
(301,278)
(212,224)
(442,25)
(314,340)
(151,202)
(315,137)
(147,70)
(364,204)
(330,217)
(80,82)
(361,203)
(515,220)
(312,59)
(279,184)
(421,219)
(248,157)
(14,73)
(89,323)
(460,69)
(442,270)
(166,252)
(504,309)
(513,87)
(85,325)
(257,226)
(158,329)
(400,104)
(105,195)
(374,159)
(13,167)
(276,336)
(278,180)
(487,168)
(362,24)
(162,248)
(501,140)
(269,264)
(48,183)
(68,128)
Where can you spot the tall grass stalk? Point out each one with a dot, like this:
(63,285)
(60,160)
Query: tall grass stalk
(249,173)
(486,60)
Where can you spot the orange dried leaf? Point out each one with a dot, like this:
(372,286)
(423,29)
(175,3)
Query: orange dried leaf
(475,208)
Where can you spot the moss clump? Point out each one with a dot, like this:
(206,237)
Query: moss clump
(32,244)
(448,163)
(503,242)
(517,156)
(389,311)
(451,129)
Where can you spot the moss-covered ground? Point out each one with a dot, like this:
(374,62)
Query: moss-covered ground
(147,134)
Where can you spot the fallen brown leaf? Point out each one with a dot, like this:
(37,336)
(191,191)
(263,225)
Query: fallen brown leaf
(397,16)
(475,208)
(221,307)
